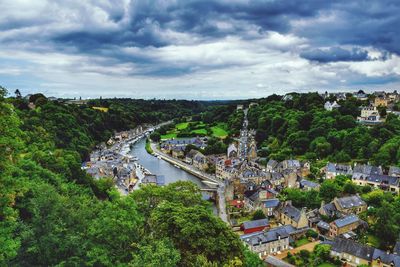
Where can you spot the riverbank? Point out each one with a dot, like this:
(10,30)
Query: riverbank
(148,147)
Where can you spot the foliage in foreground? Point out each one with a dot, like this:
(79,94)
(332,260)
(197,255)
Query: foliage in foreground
(52,213)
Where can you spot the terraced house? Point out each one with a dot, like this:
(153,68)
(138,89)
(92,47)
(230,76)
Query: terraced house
(268,242)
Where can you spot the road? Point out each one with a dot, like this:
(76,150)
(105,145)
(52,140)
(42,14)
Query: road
(243,139)
(211,179)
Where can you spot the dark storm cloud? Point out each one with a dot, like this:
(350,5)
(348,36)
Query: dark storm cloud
(177,38)
(361,23)
(334,54)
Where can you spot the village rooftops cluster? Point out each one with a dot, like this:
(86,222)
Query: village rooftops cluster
(363,175)
(355,254)
(114,161)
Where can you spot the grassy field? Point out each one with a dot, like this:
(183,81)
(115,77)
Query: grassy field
(168,135)
(182,126)
(219,132)
(301,242)
(196,128)
(101,109)
(326,264)
(200,131)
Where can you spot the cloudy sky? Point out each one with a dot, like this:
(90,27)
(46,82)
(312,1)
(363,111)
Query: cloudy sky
(206,49)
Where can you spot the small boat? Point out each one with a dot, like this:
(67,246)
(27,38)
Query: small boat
(177,166)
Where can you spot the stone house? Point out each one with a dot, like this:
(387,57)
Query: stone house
(332,170)
(350,205)
(289,214)
(265,243)
(200,161)
(344,225)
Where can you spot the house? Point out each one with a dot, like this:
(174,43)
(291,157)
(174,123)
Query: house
(271,165)
(366,169)
(344,225)
(331,106)
(394,171)
(269,242)
(226,169)
(350,205)
(290,164)
(269,206)
(323,227)
(361,95)
(329,210)
(190,155)
(289,214)
(351,253)
(254,226)
(380,101)
(369,115)
(382,258)
(253,199)
(355,254)
(332,170)
(272,261)
(158,180)
(178,151)
(308,185)
(200,161)
(232,151)
(384,182)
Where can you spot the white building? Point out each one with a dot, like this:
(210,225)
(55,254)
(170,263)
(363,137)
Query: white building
(331,106)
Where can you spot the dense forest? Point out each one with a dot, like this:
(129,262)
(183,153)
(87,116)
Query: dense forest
(301,127)
(52,213)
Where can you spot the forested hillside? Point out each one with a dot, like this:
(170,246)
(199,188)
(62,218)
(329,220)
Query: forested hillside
(52,213)
(302,127)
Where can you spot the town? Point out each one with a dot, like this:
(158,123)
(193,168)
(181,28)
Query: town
(252,191)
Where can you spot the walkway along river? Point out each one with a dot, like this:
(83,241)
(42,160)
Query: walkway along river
(160,167)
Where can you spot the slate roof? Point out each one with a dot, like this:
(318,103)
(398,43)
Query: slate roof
(272,261)
(191,153)
(263,237)
(387,258)
(350,202)
(394,171)
(292,212)
(307,183)
(347,220)
(324,225)
(338,168)
(367,169)
(330,209)
(272,164)
(255,223)
(271,203)
(348,246)
(378,178)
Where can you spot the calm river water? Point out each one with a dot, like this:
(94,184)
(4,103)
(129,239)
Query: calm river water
(161,167)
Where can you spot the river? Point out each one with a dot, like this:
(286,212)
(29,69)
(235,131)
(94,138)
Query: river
(161,167)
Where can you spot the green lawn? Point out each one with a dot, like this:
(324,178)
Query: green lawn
(326,264)
(373,240)
(168,136)
(219,132)
(301,242)
(182,125)
(200,131)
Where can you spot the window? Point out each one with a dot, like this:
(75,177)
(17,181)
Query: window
(357,260)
